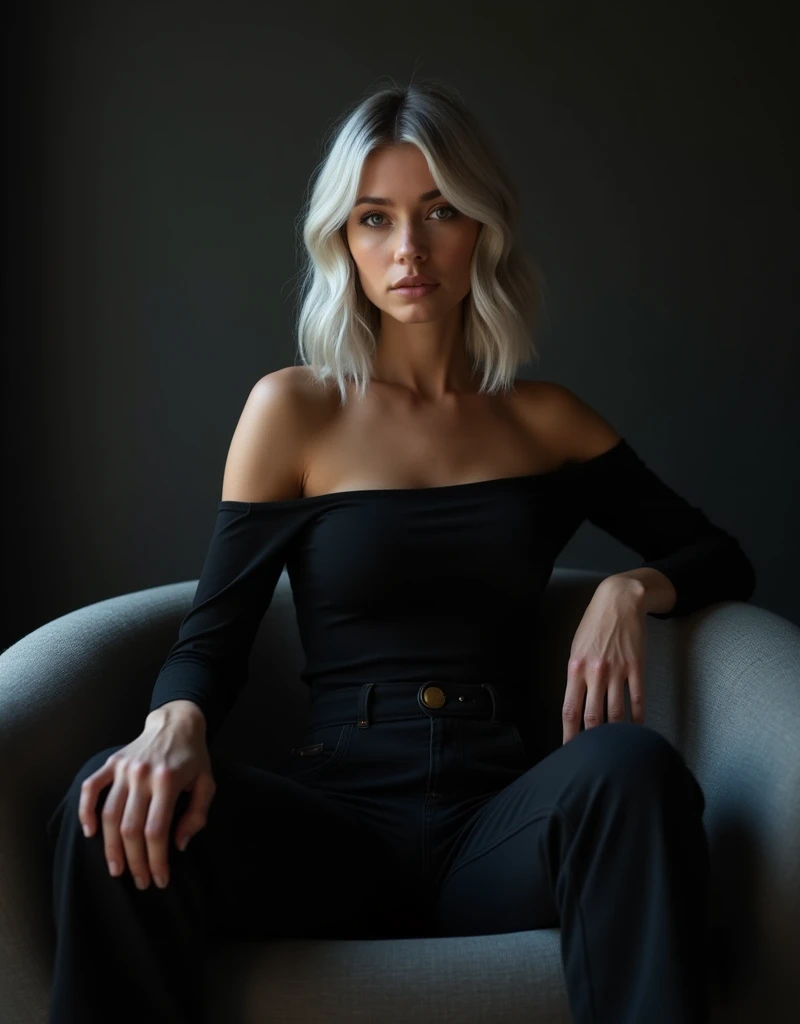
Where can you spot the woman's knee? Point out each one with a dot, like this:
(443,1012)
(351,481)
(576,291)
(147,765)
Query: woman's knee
(91,765)
(632,751)
(648,756)
(66,809)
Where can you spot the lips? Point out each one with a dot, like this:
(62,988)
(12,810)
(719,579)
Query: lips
(413,282)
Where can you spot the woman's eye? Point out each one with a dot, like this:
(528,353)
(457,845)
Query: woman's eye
(375,213)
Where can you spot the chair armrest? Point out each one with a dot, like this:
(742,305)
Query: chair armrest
(55,682)
(723,685)
(732,680)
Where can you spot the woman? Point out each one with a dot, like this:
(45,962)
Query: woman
(418,494)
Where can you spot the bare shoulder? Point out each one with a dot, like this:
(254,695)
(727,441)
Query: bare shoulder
(266,458)
(568,423)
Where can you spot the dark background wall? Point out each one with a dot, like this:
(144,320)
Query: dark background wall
(161,152)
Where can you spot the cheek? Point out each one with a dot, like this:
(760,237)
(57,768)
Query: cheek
(370,260)
(461,247)
(459,260)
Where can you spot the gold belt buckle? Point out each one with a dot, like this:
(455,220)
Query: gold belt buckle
(433,697)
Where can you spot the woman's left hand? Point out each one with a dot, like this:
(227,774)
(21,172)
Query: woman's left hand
(608,650)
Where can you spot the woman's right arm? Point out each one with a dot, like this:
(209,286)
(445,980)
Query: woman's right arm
(207,666)
(176,710)
(257,521)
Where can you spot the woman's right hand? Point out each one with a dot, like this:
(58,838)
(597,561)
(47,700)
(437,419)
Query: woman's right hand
(146,777)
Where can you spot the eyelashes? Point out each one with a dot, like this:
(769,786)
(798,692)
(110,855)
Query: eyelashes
(376,213)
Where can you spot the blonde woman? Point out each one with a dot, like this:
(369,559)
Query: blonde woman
(418,493)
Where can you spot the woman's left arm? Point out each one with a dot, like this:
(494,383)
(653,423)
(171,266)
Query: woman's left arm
(688,562)
(622,495)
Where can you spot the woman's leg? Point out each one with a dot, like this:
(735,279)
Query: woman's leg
(604,836)
(275,859)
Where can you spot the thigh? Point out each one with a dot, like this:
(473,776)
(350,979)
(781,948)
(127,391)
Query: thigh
(283,859)
(501,873)
(497,878)
(275,858)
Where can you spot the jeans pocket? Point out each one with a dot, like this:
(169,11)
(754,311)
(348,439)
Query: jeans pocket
(320,749)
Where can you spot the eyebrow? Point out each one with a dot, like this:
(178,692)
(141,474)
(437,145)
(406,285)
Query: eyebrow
(377,201)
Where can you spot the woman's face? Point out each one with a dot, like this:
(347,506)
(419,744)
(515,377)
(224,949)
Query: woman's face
(396,234)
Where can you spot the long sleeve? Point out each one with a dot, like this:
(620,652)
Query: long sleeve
(705,564)
(209,661)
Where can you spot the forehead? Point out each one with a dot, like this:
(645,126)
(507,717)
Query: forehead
(397,164)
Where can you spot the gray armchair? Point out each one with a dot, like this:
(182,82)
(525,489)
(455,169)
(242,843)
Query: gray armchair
(722,684)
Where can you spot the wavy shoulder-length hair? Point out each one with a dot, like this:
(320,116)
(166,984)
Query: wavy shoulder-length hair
(337,325)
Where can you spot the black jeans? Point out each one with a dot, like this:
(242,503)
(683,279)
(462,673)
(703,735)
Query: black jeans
(408,810)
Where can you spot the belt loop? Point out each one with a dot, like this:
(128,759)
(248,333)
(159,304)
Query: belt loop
(493,695)
(363,706)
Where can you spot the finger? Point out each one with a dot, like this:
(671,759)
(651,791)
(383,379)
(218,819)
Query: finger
(90,791)
(164,797)
(195,817)
(636,692)
(110,817)
(616,699)
(132,825)
(596,685)
(573,700)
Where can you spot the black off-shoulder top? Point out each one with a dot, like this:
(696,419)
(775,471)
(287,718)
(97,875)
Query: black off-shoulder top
(429,583)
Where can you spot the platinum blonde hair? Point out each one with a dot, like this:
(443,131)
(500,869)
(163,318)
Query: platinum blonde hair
(337,325)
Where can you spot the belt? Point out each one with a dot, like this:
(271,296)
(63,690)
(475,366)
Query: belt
(366,703)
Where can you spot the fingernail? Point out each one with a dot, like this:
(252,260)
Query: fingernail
(183,843)
(160,881)
(113,867)
(140,883)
